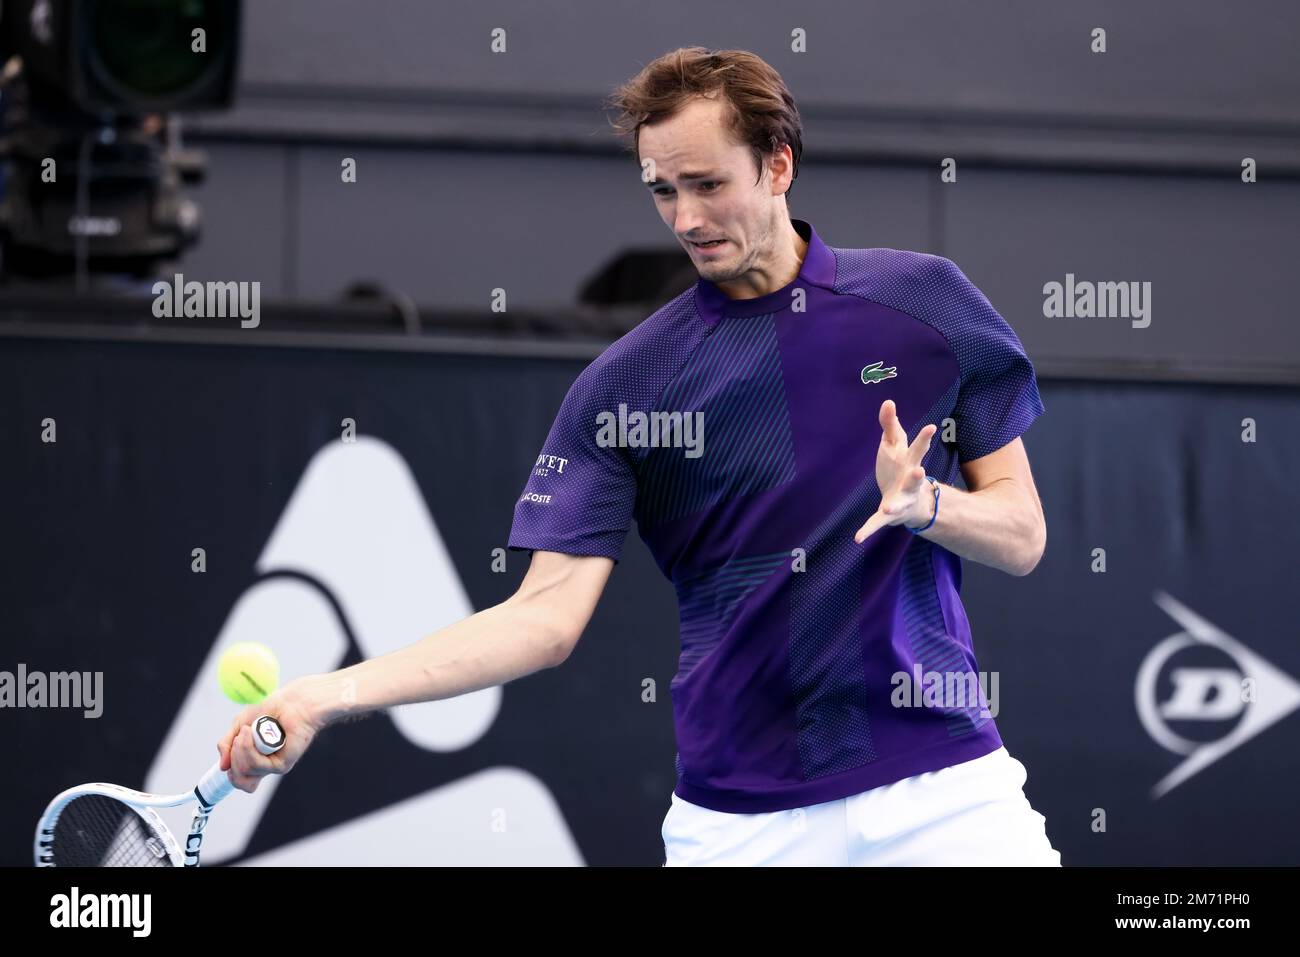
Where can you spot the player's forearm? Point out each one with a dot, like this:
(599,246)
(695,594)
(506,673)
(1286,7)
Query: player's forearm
(1000,525)
(490,647)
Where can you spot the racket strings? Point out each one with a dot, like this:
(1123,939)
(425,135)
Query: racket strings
(98,831)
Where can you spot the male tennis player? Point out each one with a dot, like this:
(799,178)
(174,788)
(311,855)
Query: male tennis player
(757,427)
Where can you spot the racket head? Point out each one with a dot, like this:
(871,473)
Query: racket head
(98,826)
(106,825)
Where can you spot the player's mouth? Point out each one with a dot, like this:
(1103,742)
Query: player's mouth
(710,246)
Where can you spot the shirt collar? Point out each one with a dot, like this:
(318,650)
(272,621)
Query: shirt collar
(817,269)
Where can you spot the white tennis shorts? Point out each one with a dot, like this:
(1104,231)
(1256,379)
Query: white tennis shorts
(973,813)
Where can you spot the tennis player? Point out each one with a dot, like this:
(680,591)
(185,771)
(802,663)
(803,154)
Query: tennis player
(773,432)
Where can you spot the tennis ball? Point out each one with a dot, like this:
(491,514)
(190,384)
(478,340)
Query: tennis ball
(248,672)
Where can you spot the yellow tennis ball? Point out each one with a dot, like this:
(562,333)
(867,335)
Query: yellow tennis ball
(248,672)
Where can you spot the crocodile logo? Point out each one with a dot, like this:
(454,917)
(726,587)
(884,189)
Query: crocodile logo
(875,373)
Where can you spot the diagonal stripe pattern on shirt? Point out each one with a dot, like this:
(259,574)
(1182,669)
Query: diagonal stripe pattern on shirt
(747,440)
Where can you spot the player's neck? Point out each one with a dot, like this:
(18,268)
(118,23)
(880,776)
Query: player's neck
(791,250)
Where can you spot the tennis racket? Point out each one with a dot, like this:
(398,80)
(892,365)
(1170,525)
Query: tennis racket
(104,825)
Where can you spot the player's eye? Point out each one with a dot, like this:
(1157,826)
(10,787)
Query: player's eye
(664,191)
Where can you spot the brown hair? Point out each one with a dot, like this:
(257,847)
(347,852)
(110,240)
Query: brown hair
(762,113)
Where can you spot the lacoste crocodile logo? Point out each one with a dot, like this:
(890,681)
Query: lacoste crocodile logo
(874,373)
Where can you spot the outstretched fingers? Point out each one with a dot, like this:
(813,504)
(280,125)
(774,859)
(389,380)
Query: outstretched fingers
(921,444)
(891,430)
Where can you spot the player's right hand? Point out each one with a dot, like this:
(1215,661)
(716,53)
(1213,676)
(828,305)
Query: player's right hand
(240,757)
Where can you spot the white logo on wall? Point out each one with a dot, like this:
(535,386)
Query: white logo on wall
(357,525)
(1207,692)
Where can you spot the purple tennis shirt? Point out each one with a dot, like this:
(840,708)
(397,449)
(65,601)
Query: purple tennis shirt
(742,436)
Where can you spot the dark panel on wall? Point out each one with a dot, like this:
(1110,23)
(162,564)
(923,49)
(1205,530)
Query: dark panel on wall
(163,447)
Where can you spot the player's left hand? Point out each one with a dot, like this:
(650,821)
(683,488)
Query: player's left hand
(905,495)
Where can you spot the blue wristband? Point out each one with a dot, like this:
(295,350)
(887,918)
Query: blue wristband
(935,482)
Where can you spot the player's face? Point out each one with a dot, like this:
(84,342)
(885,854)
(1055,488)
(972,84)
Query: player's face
(725,203)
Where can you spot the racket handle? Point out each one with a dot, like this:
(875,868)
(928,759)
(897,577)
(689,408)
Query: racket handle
(214,785)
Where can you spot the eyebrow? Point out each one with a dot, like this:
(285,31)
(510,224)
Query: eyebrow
(685,176)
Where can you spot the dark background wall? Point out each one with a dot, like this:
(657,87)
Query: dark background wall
(167,446)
